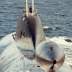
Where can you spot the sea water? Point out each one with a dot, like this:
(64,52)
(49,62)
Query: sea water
(56,14)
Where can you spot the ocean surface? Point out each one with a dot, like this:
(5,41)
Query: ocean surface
(56,14)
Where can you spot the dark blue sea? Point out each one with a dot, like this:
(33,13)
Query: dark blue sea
(56,14)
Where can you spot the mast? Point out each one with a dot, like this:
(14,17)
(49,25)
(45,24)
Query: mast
(27,10)
(27,7)
(32,6)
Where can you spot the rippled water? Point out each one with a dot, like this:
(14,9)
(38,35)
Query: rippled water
(57,14)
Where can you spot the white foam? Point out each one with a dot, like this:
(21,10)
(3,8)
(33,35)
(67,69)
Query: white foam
(66,45)
(12,60)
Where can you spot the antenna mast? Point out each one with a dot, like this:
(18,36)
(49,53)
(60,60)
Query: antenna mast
(32,6)
(27,10)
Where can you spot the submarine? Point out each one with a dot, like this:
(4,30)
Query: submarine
(29,46)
